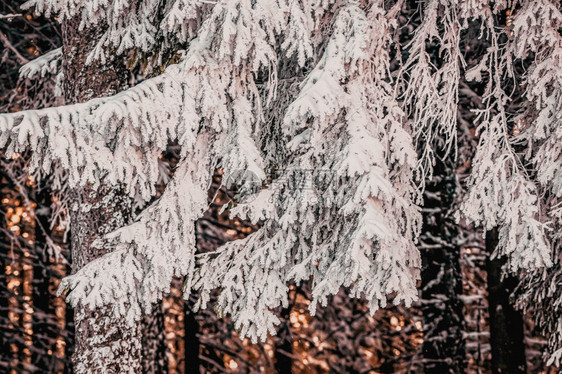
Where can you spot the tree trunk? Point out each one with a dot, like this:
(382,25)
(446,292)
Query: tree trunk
(191,340)
(70,340)
(443,347)
(44,323)
(506,323)
(7,331)
(154,347)
(104,343)
(284,344)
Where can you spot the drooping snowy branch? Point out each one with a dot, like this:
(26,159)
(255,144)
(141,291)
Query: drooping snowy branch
(432,83)
(150,252)
(536,31)
(501,192)
(47,64)
(334,213)
(501,195)
(82,138)
(536,34)
(342,210)
(150,27)
(160,244)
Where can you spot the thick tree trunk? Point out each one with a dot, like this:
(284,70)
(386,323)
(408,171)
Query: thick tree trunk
(443,348)
(506,323)
(104,343)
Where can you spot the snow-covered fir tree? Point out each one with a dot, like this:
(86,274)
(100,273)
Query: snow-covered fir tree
(307,88)
(536,36)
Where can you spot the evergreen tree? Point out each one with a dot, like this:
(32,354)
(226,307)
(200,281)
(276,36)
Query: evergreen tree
(540,131)
(343,208)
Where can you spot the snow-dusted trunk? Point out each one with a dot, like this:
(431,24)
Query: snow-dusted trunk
(506,323)
(443,347)
(104,343)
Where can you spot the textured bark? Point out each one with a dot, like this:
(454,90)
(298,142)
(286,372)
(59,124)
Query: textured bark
(104,343)
(153,332)
(443,346)
(506,323)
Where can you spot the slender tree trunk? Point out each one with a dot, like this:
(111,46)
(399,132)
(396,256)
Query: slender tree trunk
(7,333)
(44,324)
(12,297)
(69,340)
(154,358)
(506,323)
(443,347)
(284,346)
(104,343)
(192,345)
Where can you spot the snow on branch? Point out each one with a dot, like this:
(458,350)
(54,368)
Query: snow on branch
(536,36)
(213,124)
(150,252)
(431,87)
(48,64)
(333,214)
(501,195)
(101,139)
(500,191)
(342,210)
(536,31)
(145,26)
